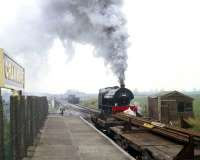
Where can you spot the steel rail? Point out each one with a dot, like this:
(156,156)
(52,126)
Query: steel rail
(180,135)
(177,134)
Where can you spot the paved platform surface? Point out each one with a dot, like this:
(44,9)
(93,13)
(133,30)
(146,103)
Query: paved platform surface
(70,138)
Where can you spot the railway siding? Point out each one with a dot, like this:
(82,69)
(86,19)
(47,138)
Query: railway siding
(148,140)
(141,140)
(144,139)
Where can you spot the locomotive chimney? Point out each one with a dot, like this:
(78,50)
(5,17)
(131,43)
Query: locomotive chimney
(122,85)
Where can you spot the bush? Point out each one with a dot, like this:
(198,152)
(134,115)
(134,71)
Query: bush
(195,123)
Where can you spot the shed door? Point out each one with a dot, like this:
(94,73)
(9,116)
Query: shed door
(165,113)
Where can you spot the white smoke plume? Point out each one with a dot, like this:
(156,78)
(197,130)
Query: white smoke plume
(96,22)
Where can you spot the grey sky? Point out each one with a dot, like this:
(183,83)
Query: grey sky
(164,50)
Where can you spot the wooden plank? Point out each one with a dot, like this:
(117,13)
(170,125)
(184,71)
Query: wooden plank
(141,140)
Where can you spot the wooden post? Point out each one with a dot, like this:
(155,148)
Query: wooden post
(27,115)
(18,127)
(22,126)
(31,119)
(1,129)
(14,127)
(26,122)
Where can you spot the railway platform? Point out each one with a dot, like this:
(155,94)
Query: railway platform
(72,138)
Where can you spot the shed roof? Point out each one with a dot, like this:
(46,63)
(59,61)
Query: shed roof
(170,93)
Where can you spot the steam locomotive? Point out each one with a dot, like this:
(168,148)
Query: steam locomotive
(115,99)
(112,100)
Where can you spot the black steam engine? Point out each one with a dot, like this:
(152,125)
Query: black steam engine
(114,99)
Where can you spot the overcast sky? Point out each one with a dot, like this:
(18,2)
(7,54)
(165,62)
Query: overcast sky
(163,53)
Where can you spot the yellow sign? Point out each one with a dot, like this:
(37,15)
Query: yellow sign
(12,75)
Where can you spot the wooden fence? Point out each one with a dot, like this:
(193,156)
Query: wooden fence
(27,116)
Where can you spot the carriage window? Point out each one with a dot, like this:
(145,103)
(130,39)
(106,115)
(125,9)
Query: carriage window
(180,106)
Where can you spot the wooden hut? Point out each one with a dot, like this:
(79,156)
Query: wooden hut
(170,106)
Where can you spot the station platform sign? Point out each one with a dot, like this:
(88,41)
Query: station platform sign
(12,75)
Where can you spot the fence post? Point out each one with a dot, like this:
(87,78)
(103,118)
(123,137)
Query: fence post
(14,126)
(27,126)
(19,124)
(22,126)
(1,129)
(29,123)
(33,117)
(31,110)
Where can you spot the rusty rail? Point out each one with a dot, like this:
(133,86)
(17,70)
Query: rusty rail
(85,109)
(176,134)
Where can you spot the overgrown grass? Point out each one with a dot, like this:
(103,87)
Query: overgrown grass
(142,101)
(92,103)
(195,123)
(196,106)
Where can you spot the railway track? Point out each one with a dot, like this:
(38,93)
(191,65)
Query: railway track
(88,109)
(144,139)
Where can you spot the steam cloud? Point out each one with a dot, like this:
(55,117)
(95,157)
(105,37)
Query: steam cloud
(96,22)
